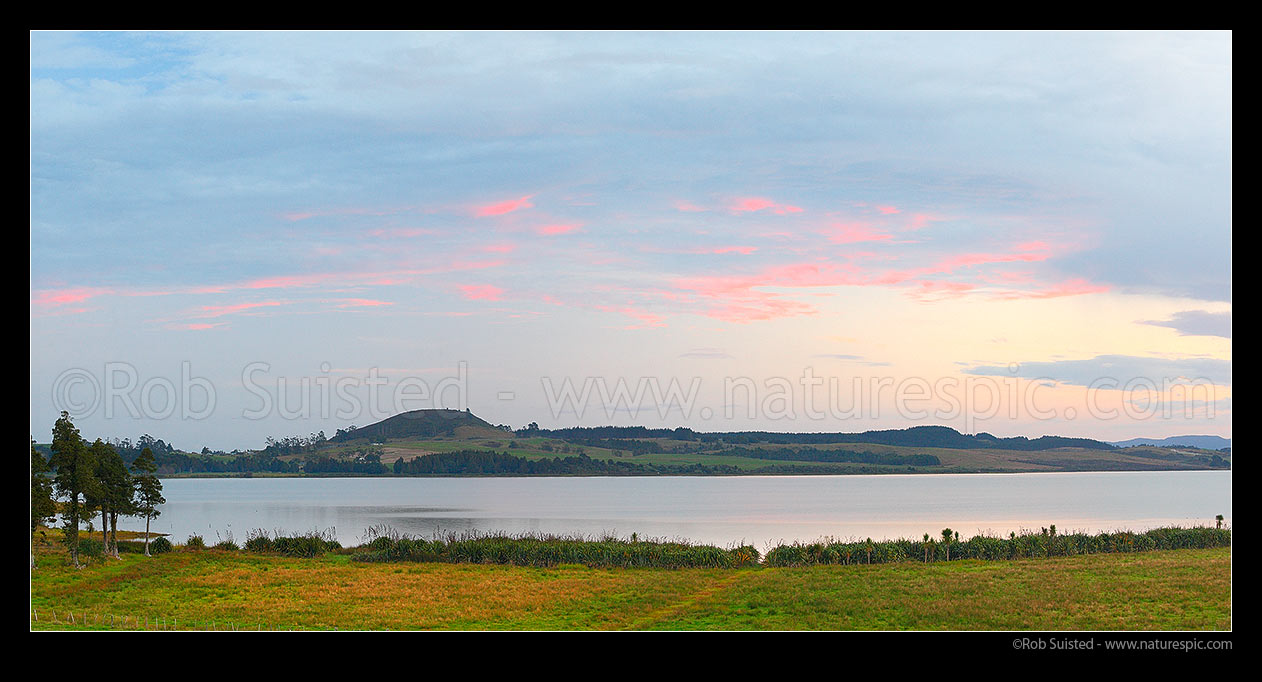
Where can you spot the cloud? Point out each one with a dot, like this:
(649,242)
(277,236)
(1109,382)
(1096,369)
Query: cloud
(646,319)
(755,204)
(481,292)
(195,326)
(1117,369)
(1197,323)
(362,303)
(555,229)
(221,310)
(851,358)
(706,354)
(503,207)
(48,298)
(853,233)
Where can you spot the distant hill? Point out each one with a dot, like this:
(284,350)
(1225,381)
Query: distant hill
(1203,442)
(419,424)
(916,436)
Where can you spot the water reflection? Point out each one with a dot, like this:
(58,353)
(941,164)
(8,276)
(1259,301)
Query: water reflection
(721,510)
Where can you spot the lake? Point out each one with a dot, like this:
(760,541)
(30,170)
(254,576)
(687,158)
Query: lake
(759,510)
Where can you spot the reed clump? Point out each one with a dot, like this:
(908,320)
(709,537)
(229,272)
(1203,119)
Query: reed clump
(311,544)
(1042,543)
(386,545)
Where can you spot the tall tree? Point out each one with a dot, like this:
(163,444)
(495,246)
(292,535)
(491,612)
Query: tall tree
(117,492)
(148,490)
(72,462)
(43,506)
(94,499)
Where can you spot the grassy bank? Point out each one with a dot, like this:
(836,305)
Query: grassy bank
(1176,589)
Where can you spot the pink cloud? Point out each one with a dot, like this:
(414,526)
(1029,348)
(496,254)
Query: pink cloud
(1071,287)
(503,207)
(853,233)
(974,259)
(221,310)
(55,297)
(688,206)
(919,221)
(557,229)
(740,298)
(384,278)
(887,210)
(481,292)
(362,303)
(646,319)
(934,289)
(704,250)
(195,326)
(287,281)
(754,204)
(500,248)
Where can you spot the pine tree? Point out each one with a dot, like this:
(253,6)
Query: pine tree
(95,498)
(43,506)
(148,490)
(72,462)
(117,493)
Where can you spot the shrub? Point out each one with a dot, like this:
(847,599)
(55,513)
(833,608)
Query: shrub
(195,542)
(160,545)
(1041,544)
(258,541)
(91,551)
(226,543)
(551,551)
(310,544)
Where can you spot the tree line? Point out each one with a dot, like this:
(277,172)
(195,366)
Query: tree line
(90,479)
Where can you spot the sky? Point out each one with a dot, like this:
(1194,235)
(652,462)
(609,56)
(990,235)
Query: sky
(250,234)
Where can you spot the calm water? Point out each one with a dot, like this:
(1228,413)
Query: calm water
(721,510)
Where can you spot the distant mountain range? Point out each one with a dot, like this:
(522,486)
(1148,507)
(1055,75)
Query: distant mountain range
(1204,442)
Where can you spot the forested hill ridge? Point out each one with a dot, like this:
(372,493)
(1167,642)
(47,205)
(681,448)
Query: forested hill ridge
(458,443)
(1202,442)
(916,436)
(414,424)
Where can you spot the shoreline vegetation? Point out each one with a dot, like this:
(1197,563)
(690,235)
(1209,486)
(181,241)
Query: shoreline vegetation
(383,544)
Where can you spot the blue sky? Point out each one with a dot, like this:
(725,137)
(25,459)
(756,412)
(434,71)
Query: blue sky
(626,205)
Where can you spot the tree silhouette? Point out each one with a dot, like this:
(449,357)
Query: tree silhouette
(117,492)
(148,490)
(72,462)
(43,506)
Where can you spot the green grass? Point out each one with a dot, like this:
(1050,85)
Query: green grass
(1176,589)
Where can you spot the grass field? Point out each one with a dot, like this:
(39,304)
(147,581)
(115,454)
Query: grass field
(1164,590)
